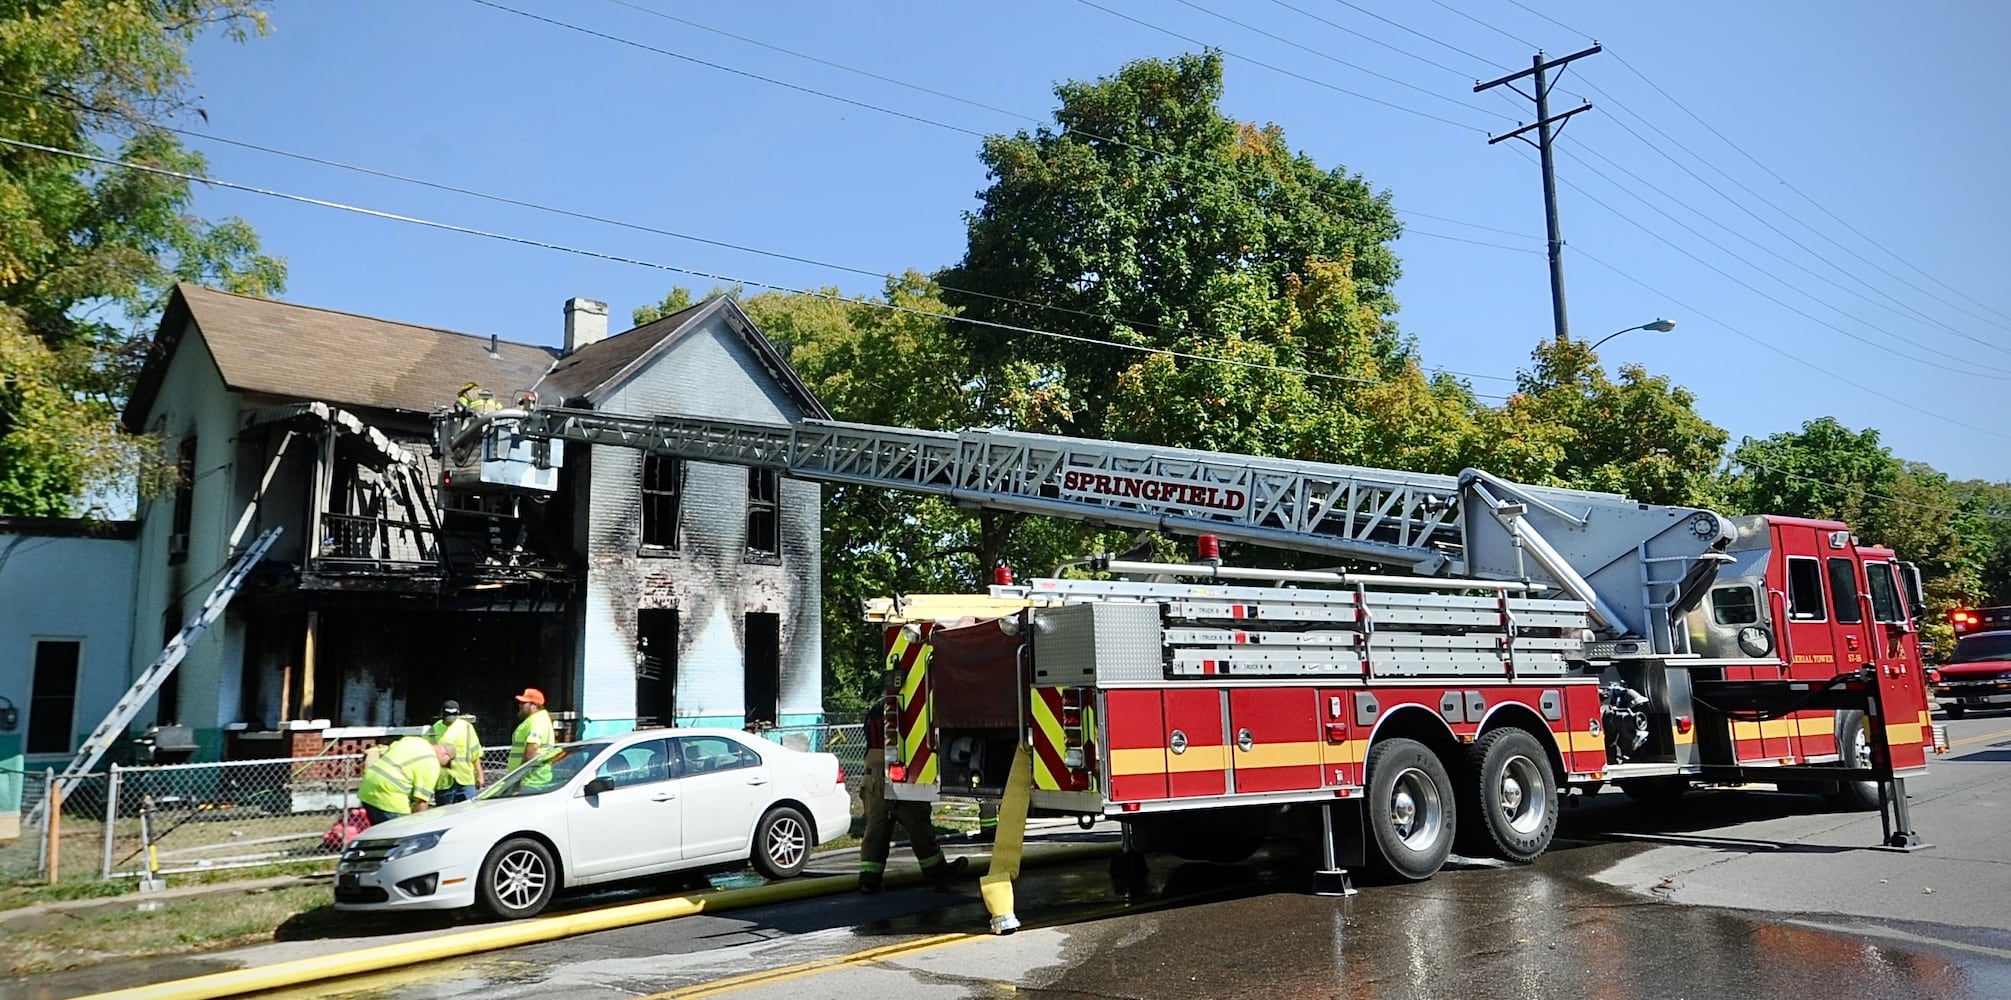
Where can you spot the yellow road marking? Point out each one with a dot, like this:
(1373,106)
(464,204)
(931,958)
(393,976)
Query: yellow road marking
(811,968)
(1966,740)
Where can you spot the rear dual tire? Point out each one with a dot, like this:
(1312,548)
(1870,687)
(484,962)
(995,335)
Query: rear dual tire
(1412,809)
(1508,797)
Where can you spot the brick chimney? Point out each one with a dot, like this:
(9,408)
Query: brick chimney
(586,323)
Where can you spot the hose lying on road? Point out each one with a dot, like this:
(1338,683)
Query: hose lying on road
(282,975)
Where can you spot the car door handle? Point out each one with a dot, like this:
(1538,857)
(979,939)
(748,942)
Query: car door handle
(663,796)
(757,780)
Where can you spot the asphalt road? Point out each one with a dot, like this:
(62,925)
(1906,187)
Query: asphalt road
(1728,894)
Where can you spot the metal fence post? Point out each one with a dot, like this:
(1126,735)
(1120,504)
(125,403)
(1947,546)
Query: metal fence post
(111,817)
(42,835)
(53,805)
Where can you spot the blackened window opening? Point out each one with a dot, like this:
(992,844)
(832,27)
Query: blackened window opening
(662,491)
(764,513)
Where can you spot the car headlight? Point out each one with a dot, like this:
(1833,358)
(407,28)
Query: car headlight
(414,844)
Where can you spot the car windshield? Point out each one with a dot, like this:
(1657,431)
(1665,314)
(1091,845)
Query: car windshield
(548,771)
(1992,646)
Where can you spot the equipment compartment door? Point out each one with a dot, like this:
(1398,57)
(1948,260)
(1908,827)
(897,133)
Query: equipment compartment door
(1197,761)
(1134,728)
(1275,739)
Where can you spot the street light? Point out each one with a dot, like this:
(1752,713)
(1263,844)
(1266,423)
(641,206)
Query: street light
(1658,326)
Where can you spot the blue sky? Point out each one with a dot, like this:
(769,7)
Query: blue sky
(1889,118)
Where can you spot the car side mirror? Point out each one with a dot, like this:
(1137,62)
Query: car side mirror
(600,785)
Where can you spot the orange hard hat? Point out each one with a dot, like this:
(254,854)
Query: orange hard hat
(532,695)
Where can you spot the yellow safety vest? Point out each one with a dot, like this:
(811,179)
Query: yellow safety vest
(536,728)
(459,734)
(405,771)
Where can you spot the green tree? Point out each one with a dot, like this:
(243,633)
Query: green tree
(1147,217)
(88,254)
(1640,436)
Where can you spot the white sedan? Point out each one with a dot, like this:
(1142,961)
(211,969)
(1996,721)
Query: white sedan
(598,811)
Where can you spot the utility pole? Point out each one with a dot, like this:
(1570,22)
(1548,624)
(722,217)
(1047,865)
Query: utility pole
(1547,129)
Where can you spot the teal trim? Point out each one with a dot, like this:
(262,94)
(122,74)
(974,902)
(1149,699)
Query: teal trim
(11,768)
(801,719)
(595,728)
(209,746)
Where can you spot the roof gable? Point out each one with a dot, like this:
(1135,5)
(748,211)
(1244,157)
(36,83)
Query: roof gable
(594,372)
(304,352)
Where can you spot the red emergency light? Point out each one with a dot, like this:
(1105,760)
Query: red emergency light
(1964,620)
(1002,575)
(1208,548)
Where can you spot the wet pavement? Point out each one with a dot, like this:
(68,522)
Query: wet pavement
(1477,932)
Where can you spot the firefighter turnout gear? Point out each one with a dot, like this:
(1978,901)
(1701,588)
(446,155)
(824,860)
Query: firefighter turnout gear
(402,778)
(882,814)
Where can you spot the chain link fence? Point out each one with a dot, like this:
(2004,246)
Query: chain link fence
(848,742)
(234,814)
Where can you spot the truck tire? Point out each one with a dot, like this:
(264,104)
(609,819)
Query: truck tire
(1954,711)
(1507,797)
(1853,749)
(1411,811)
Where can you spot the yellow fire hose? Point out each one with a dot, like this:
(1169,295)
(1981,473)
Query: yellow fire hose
(996,885)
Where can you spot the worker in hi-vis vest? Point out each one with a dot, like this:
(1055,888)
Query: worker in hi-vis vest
(533,736)
(460,780)
(402,778)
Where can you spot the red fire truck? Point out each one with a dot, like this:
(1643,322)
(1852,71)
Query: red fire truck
(1530,641)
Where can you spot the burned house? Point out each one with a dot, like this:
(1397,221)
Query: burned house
(635,592)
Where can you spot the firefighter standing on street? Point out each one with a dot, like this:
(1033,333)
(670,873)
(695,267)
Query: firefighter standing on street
(402,778)
(881,815)
(460,780)
(534,735)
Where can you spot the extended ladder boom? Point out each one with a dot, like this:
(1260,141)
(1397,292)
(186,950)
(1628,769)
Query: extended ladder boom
(1577,540)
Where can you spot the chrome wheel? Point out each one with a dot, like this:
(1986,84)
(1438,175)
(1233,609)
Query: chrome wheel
(1416,809)
(788,841)
(1524,812)
(519,879)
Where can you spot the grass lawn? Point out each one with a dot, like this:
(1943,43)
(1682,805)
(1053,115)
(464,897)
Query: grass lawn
(68,940)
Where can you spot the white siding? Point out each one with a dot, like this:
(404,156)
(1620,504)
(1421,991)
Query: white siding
(66,588)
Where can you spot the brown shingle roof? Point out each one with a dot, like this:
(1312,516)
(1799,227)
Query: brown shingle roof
(303,352)
(592,367)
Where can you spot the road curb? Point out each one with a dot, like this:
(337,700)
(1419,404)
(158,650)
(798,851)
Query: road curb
(461,944)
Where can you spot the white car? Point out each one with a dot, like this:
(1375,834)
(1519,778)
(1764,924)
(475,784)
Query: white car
(597,811)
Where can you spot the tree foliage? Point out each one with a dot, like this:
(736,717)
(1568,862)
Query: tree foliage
(88,254)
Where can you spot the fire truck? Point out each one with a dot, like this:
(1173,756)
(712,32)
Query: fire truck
(1978,672)
(1527,643)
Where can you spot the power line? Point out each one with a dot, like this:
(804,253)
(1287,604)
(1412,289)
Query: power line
(1036,119)
(1840,220)
(1330,57)
(1755,161)
(1791,356)
(639,227)
(1898,306)
(1552,20)
(708,275)
(1191,40)
(1476,57)
(1519,41)
(1975,370)
(1896,309)
(1373,40)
